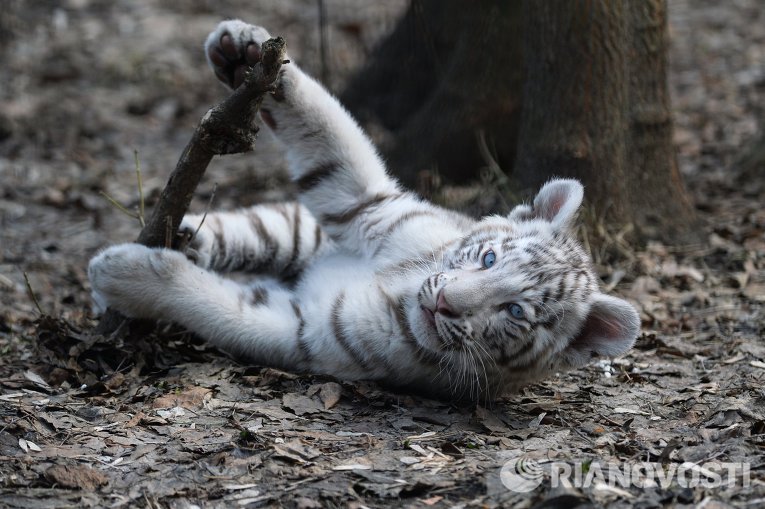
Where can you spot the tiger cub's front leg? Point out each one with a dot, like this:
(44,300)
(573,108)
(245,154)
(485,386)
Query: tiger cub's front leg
(279,239)
(336,168)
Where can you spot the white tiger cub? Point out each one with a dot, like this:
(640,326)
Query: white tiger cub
(388,287)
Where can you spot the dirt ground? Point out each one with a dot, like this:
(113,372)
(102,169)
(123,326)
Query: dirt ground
(156,419)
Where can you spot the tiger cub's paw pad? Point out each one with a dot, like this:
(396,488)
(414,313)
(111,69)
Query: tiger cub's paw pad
(232,48)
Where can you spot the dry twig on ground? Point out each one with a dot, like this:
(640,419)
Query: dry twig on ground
(228,128)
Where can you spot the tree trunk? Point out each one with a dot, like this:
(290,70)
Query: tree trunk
(575,98)
(594,95)
(658,199)
(596,108)
(448,72)
(750,165)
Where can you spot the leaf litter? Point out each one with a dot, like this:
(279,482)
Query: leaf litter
(154,418)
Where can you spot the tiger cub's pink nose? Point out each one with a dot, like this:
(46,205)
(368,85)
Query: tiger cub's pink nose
(443,307)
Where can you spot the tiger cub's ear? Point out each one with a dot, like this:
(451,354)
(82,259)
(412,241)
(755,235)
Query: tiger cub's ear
(557,203)
(610,329)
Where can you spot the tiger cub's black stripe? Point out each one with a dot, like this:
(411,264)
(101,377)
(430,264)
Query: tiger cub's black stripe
(259,296)
(316,176)
(398,223)
(303,347)
(342,340)
(270,247)
(398,310)
(289,270)
(349,215)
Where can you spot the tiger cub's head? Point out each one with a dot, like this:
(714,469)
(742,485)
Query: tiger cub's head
(517,300)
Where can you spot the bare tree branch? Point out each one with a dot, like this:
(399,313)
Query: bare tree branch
(227,128)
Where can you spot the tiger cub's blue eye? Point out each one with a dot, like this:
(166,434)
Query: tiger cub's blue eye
(516,310)
(488,259)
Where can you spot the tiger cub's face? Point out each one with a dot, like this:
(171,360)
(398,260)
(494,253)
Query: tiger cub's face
(517,299)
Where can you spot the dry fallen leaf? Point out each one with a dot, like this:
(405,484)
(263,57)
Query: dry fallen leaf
(427,434)
(76,476)
(307,503)
(236,487)
(296,451)
(330,393)
(755,291)
(114,381)
(622,410)
(353,466)
(301,404)
(490,421)
(172,413)
(191,399)
(36,379)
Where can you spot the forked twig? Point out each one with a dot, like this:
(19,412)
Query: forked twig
(141,210)
(227,128)
(121,207)
(141,206)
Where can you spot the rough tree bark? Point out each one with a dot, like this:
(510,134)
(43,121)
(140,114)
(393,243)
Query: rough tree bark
(448,71)
(596,107)
(227,128)
(575,97)
(657,196)
(594,100)
(751,163)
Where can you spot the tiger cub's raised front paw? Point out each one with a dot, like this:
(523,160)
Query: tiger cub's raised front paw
(232,48)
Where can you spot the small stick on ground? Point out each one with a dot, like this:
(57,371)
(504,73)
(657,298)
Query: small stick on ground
(141,207)
(32,294)
(140,215)
(122,208)
(227,128)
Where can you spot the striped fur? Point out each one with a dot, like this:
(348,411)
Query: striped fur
(363,280)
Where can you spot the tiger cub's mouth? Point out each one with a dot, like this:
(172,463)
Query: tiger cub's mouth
(427,299)
(437,316)
(430,316)
(443,326)
(432,338)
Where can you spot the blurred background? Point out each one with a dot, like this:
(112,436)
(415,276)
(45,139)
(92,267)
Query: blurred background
(86,83)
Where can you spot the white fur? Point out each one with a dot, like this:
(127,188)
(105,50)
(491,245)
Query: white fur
(372,260)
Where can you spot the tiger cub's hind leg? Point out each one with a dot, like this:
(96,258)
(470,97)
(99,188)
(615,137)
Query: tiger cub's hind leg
(278,239)
(261,322)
